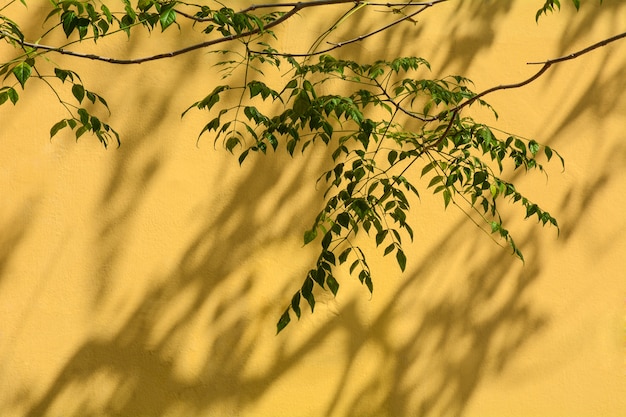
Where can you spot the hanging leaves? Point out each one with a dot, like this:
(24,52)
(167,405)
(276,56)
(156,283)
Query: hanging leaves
(388,122)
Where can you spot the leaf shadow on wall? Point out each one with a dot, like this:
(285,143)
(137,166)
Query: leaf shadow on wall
(456,329)
(465,333)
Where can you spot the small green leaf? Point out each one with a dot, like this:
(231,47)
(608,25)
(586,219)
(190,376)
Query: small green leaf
(79,92)
(343,257)
(13,96)
(310,235)
(533,147)
(307,292)
(283,321)
(401,258)
(354,265)
(69,20)
(434,180)
(447,197)
(380,236)
(243,156)
(57,126)
(329,256)
(326,240)
(369,283)
(531,209)
(333,285)
(62,74)
(231,143)
(81,130)
(22,72)
(295,304)
(84,116)
(96,124)
(302,104)
(291,84)
(167,17)
(391,157)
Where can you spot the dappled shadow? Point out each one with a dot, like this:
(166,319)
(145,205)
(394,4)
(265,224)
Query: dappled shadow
(12,232)
(199,339)
(457,330)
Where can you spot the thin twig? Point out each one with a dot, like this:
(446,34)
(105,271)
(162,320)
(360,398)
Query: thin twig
(359,38)
(295,8)
(546,65)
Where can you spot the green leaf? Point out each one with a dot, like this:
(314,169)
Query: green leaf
(310,235)
(401,258)
(354,265)
(295,304)
(329,256)
(343,257)
(81,130)
(307,292)
(380,236)
(79,92)
(434,180)
(447,197)
(231,143)
(96,124)
(479,177)
(332,283)
(210,100)
(302,104)
(22,72)
(69,21)
(283,321)
(531,209)
(84,116)
(243,156)
(13,96)
(533,147)
(366,278)
(57,126)
(326,240)
(167,17)
(391,157)
(62,74)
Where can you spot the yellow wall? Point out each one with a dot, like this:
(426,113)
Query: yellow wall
(147,280)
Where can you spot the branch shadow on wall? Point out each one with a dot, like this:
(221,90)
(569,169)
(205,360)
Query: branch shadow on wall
(468,329)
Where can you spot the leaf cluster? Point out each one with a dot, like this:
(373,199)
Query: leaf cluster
(392,130)
(368,189)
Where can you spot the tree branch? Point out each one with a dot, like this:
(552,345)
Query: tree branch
(295,8)
(362,37)
(546,65)
(171,54)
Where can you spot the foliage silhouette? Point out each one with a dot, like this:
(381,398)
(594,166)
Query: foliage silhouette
(387,125)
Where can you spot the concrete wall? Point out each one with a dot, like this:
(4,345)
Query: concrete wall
(146,280)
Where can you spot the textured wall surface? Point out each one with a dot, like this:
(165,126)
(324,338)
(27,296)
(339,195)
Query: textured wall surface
(146,280)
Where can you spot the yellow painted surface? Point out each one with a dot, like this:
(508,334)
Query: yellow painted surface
(146,280)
